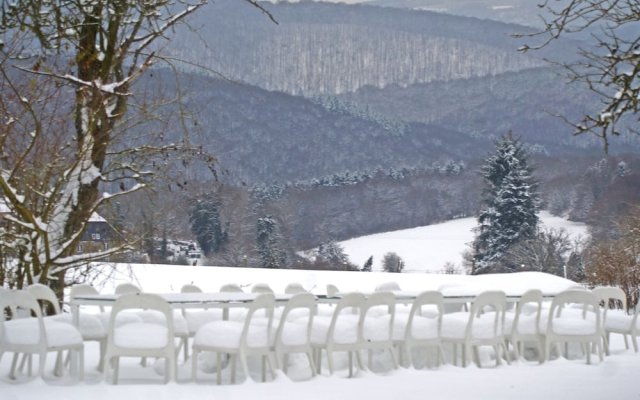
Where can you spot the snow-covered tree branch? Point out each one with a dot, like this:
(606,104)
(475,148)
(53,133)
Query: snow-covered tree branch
(67,72)
(609,66)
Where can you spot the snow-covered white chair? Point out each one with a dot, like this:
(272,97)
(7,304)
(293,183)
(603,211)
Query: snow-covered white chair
(239,339)
(293,330)
(236,314)
(574,316)
(231,288)
(195,319)
(90,324)
(50,307)
(339,332)
(261,288)
(376,325)
(523,324)
(35,335)
(190,288)
(180,325)
(481,326)
(615,317)
(294,288)
(141,339)
(332,290)
(127,287)
(420,327)
(387,287)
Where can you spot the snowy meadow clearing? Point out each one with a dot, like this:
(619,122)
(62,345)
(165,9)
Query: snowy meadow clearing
(429,248)
(615,377)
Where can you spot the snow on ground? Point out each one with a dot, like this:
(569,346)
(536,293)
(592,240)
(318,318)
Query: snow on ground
(558,379)
(615,377)
(429,248)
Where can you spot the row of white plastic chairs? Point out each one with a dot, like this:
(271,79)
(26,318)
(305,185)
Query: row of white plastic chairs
(356,323)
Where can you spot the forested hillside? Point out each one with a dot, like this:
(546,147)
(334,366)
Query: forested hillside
(264,137)
(322,48)
(530,103)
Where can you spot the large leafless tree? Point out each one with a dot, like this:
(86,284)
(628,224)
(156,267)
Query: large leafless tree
(67,74)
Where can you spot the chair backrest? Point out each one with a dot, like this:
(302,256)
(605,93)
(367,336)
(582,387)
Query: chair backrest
(11,309)
(378,301)
(261,288)
(231,288)
(83,289)
(611,296)
(586,300)
(533,296)
(294,288)
(45,295)
(266,302)
(348,302)
(126,288)
(428,298)
(491,301)
(144,301)
(189,288)
(332,290)
(300,301)
(21,302)
(387,287)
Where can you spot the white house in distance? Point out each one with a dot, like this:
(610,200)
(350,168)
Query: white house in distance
(97,234)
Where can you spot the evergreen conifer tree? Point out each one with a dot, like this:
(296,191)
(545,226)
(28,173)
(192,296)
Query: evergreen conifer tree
(267,240)
(205,223)
(368,265)
(510,206)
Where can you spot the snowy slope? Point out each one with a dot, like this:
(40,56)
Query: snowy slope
(428,248)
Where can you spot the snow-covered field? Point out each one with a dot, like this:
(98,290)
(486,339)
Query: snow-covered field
(429,248)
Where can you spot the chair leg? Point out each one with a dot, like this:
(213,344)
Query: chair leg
(194,364)
(81,363)
(634,340)
(243,361)
(103,349)
(271,366)
(219,369)
(57,369)
(393,358)
(14,362)
(359,360)
(116,370)
(515,343)
(318,359)
(185,344)
(311,363)
(476,356)
(43,361)
(455,354)
(507,356)
(330,360)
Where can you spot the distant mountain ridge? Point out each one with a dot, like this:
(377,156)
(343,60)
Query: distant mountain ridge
(324,48)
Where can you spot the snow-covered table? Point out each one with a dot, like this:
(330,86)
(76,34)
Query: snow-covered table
(224,300)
